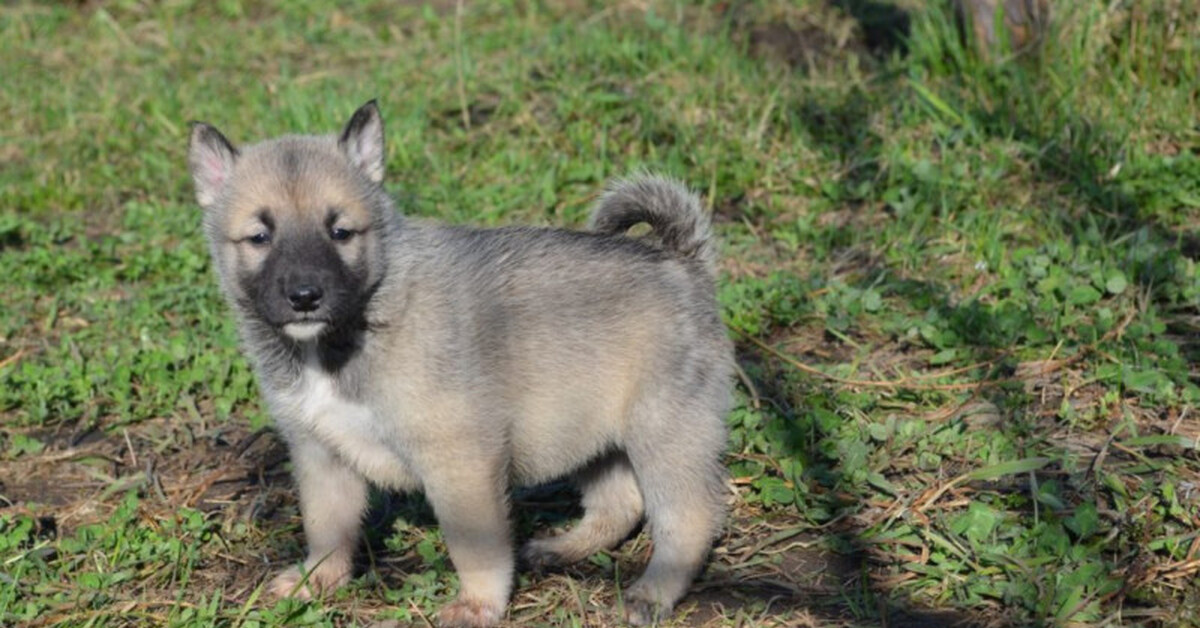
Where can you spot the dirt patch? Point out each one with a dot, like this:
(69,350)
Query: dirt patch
(77,478)
(805,47)
(818,36)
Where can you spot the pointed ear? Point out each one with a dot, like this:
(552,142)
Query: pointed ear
(362,141)
(211,158)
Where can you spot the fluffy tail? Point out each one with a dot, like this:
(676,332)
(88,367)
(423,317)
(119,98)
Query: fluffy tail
(675,215)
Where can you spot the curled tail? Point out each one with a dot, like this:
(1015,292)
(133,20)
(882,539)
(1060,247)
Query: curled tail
(675,215)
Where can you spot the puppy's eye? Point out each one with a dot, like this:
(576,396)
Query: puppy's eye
(340,234)
(260,238)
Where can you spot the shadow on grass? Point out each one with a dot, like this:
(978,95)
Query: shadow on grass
(1088,162)
(1123,191)
(1077,158)
(843,580)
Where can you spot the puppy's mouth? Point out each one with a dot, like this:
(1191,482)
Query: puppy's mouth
(304,330)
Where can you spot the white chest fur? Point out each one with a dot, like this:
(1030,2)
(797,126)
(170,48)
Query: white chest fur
(313,408)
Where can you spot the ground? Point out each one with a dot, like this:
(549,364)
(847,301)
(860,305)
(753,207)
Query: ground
(961,278)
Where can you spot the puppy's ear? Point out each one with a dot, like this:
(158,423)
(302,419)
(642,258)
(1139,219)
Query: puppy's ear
(211,158)
(362,141)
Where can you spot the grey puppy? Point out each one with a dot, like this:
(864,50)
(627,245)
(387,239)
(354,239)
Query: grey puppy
(464,361)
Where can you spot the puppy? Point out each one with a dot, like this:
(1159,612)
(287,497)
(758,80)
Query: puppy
(462,362)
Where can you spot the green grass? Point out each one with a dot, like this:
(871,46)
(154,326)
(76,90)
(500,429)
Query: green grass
(964,292)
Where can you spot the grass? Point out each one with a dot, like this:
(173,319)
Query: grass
(963,288)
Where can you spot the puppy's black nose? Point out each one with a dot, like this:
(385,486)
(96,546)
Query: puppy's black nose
(305,298)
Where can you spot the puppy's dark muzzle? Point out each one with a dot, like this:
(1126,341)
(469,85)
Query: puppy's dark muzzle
(304,279)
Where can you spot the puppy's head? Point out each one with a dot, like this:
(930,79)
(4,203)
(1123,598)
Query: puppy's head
(294,223)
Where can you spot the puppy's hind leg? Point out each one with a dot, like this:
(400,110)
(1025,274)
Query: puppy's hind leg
(682,483)
(612,506)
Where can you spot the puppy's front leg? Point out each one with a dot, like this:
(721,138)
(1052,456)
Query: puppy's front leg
(332,500)
(469,498)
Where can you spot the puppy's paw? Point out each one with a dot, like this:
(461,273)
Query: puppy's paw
(541,555)
(641,611)
(288,584)
(468,613)
(292,582)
